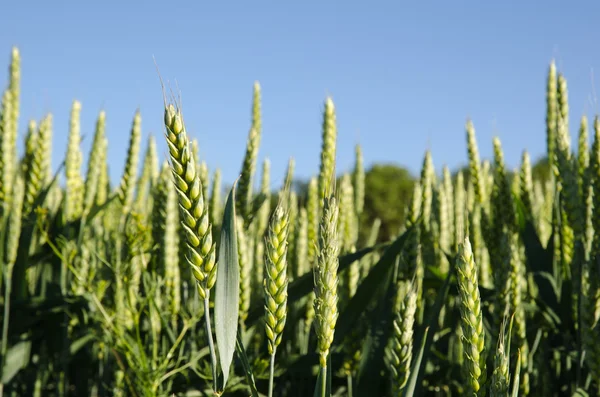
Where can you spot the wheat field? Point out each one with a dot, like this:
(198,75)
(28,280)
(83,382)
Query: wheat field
(166,283)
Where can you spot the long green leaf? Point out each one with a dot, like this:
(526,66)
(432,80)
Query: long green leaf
(227,287)
(540,263)
(416,365)
(80,343)
(515,389)
(371,364)
(369,288)
(424,339)
(579,392)
(241,352)
(318,386)
(17,358)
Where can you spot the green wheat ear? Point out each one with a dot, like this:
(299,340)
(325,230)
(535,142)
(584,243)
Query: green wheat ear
(475,174)
(358,177)
(276,278)
(245,194)
(402,337)
(472,318)
(551,114)
(73,160)
(328,151)
(193,207)
(94,164)
(7,168)
(126,190)
(500,380)
(326,279)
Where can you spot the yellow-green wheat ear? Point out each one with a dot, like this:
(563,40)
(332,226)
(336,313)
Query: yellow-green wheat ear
(551,113)
(328,151)
(203,172)
(312,210)
(503,205)
(103,189)
(443,221)
(292,206)
(6,161)
(348,230)
(562,98)
(427,237)
(500,381)
(402,336)
(127,186)
(215,198)
(450,204)
(414,208)
(326,279)
(427,174)
(276,279)
(165,219)
(193,207)
(348,223)
(502,215)
(73,205)
(583,154)
(301,241)
(95,163)
(244,189)
(472,318)
(265,189)
(475,174)
(358,178)
(526,184)
(31,141)
(289,174)
(14,85)
(245,263)
(517,275)
(413,263)
(566,173)
(460,216)
(143,198)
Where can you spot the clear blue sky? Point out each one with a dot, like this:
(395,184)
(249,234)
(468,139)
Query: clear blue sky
(404,75)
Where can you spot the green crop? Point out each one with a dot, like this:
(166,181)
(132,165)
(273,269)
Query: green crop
(164,284)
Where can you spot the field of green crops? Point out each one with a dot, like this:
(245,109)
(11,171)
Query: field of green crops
(168,284)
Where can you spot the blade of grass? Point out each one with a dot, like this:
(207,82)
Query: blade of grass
(413,387)
(515,389)
(414,373)
(227,293)
(241,353)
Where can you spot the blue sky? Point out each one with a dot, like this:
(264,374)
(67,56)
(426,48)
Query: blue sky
(404,75)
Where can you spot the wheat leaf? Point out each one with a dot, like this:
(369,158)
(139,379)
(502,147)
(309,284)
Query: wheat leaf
(227,290)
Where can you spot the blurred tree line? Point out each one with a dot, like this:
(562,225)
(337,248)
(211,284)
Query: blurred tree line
(388,190)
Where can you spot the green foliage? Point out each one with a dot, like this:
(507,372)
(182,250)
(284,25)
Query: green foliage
(388,189)
(116,298)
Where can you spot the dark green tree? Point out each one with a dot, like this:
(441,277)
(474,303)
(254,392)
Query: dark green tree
(388,189)
(541,169)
